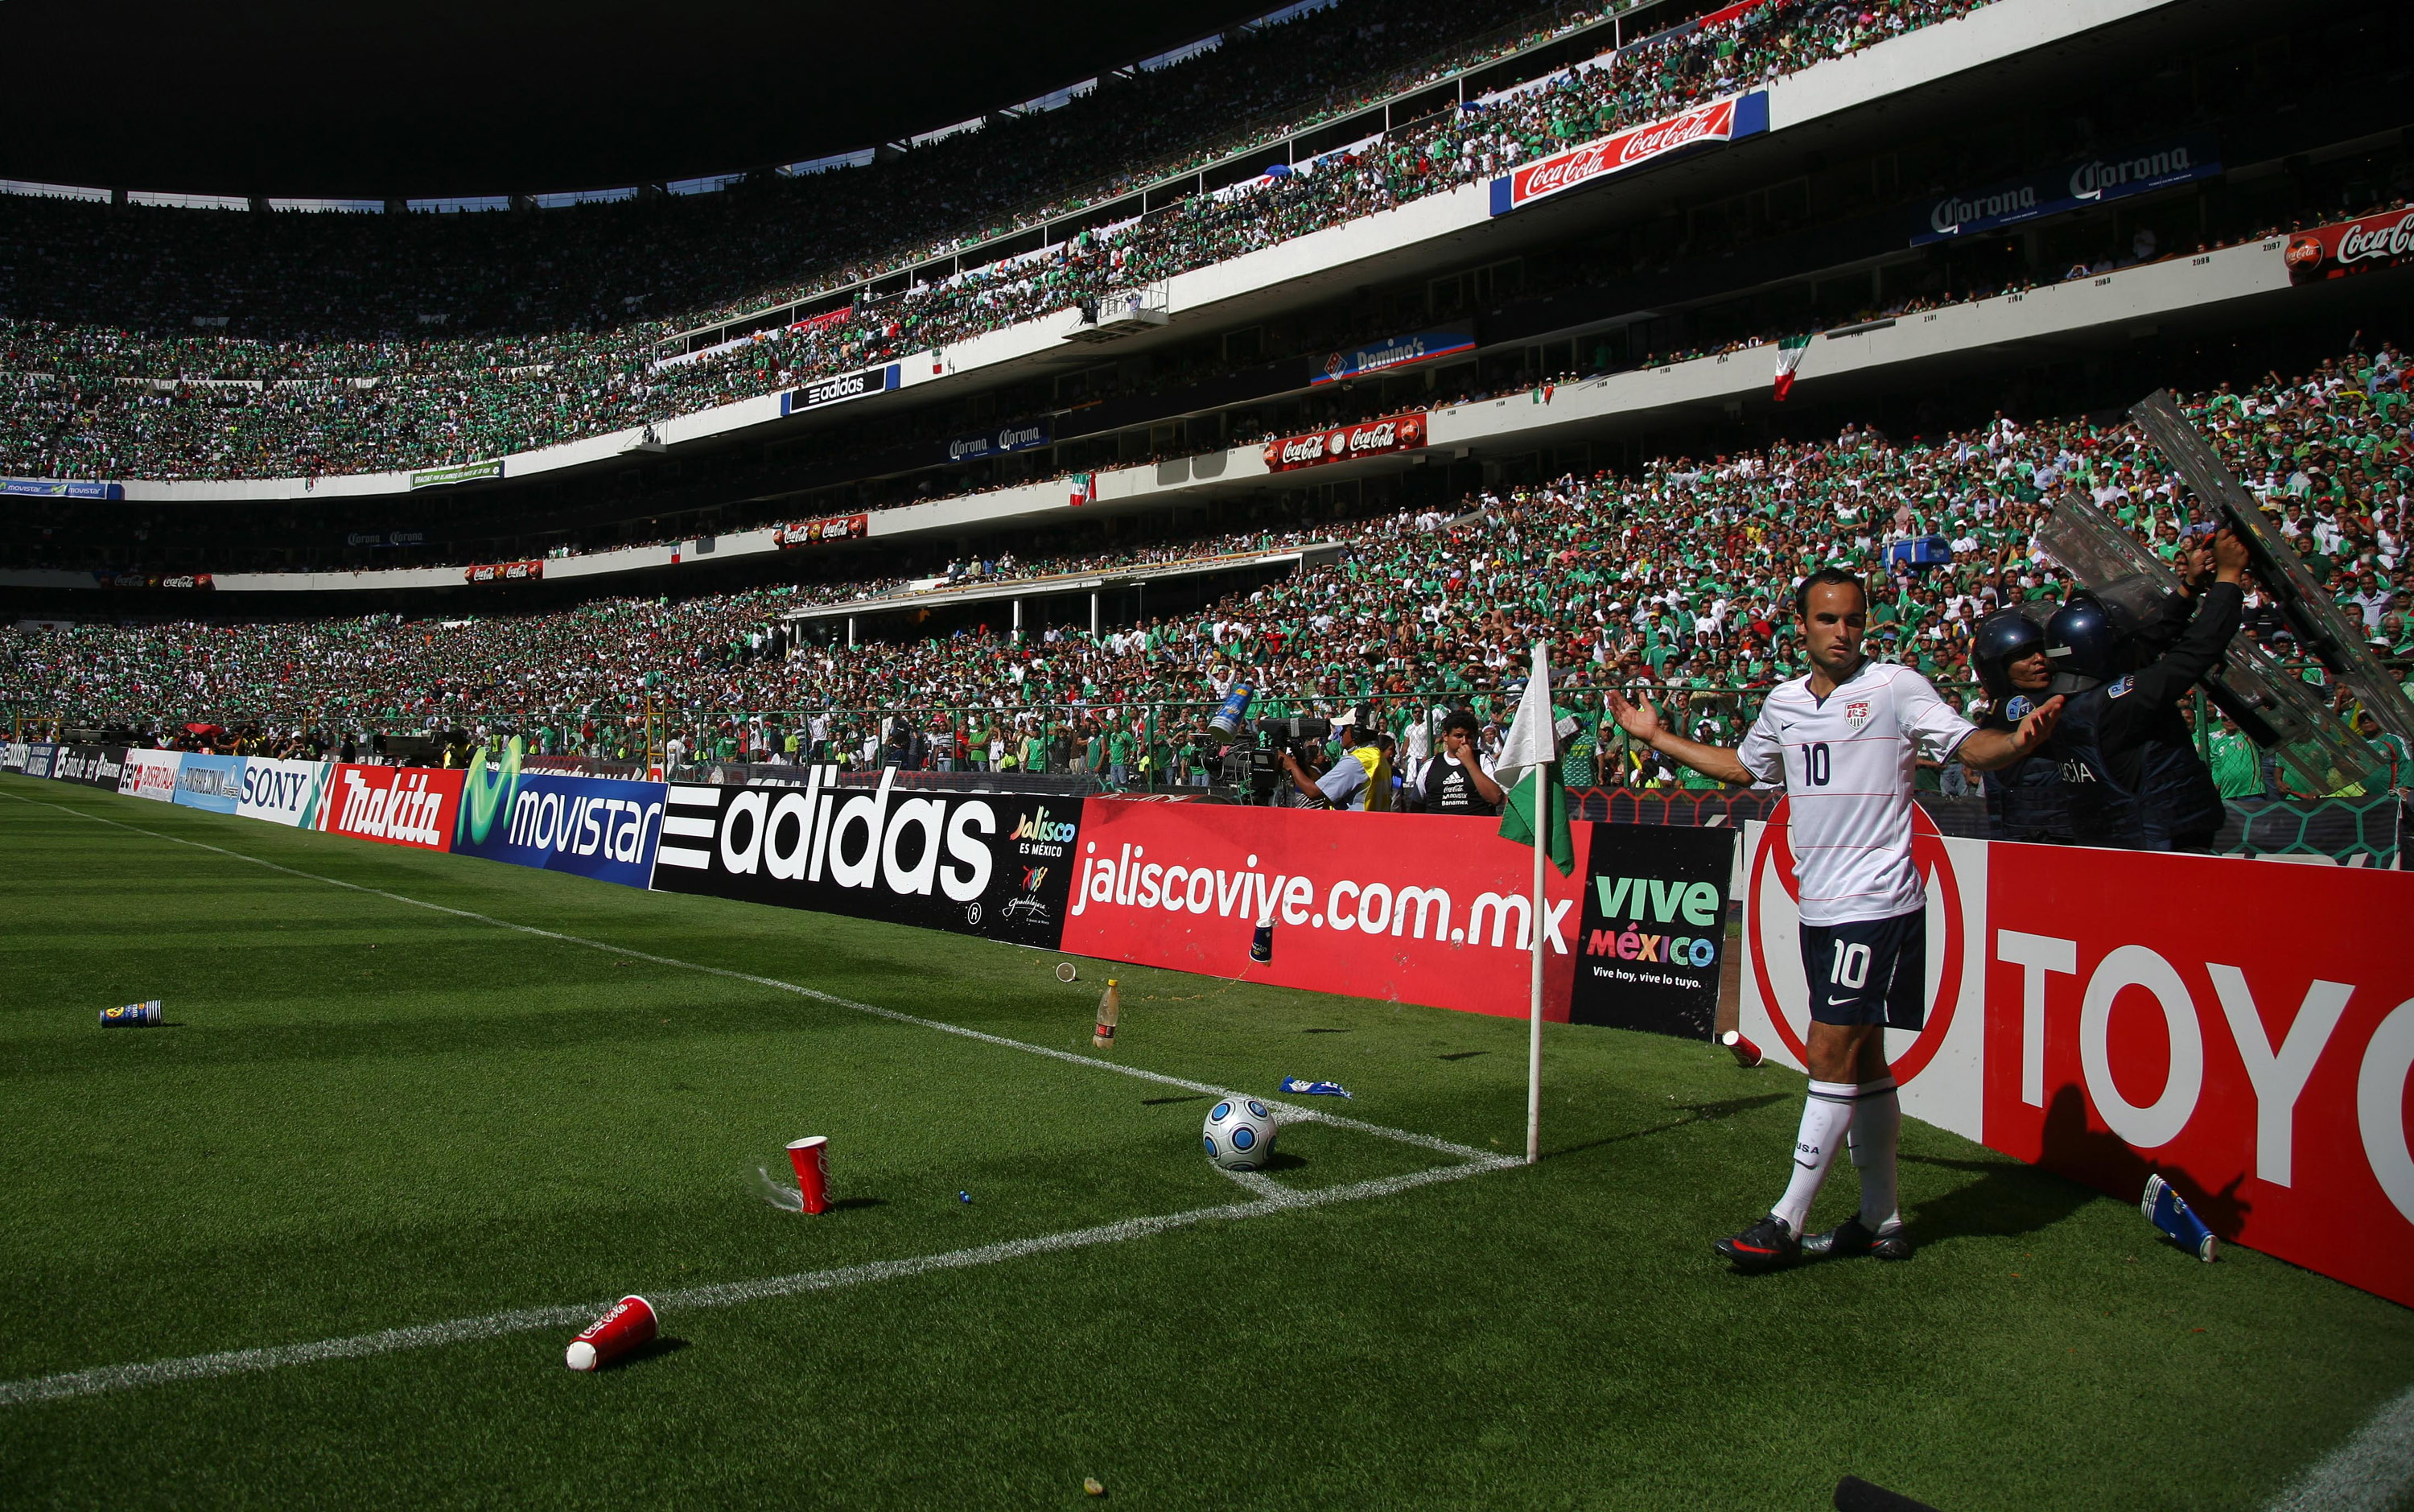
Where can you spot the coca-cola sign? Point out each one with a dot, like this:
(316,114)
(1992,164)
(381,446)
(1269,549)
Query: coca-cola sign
(2333,252)
(1400,433)
(1740,115)
(503,571)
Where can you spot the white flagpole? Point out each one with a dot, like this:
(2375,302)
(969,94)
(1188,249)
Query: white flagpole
(1534,1036)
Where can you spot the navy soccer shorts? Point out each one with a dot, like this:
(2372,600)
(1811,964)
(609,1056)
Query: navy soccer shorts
(1869,971)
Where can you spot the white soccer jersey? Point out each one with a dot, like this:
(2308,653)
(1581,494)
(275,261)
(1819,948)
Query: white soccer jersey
(1847,763)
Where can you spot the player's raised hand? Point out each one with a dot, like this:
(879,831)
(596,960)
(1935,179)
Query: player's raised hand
(2039,725)
(1638,719)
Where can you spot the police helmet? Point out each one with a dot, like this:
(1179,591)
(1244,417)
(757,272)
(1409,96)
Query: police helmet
(2002,638)
(2084,638)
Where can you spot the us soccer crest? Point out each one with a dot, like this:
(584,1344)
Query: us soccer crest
(1856,715)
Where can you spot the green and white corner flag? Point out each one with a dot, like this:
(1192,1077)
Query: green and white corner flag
(1532,741)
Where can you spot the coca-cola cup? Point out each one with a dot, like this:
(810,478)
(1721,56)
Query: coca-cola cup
(1746,1053)
(628,1324)
(811,1157)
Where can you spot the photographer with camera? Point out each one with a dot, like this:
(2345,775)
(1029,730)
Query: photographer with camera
(1458,780)
(1361,780)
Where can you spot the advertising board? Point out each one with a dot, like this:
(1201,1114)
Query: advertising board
(39,759)
(12,756)
(282,792)
(1020,436)
(1372,437)
(504,572)
(1396,351)
(993,865)
(2349,247)
(2083,1017)
(837,390)
(823,532)
(1726,120)
(151,774)
(399,805)
(94,766)
(2111,175)
(209,782)
(597,827)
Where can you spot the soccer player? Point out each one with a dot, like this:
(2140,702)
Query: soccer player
(1846,739)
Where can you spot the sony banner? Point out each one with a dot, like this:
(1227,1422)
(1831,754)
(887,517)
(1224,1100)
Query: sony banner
(839,389)
(993,865)
(94,766)
(1398,352)
(151,774)
(283,792)
(1401,433)
(2082,1017)
(210,782)
(1412,908)
(597,827)
(1728,120)
(2349,247)
(399,806)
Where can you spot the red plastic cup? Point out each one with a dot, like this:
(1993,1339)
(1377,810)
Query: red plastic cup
(1746,1053)
(628,1324)
(811,1157)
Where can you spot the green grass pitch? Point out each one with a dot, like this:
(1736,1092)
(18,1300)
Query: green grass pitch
(370,1115)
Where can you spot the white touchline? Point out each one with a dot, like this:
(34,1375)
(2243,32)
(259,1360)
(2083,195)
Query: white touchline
(1272,1196)
(2369,1473)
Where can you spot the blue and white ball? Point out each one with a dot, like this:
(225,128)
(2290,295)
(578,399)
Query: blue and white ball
(1240,1134)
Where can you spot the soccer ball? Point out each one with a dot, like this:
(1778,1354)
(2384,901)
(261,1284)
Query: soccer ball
(1240,1134)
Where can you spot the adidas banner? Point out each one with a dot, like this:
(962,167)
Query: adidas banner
(993,865)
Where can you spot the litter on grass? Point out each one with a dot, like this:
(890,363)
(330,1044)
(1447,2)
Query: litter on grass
(1315,1089)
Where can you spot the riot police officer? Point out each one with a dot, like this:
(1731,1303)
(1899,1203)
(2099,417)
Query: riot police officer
(2025,800)
(2130,773)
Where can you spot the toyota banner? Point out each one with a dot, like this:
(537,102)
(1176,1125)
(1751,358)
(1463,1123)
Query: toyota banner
(2082,1016)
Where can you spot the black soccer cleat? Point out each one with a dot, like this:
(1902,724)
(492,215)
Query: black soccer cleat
(1767,1245)
(1852,1237)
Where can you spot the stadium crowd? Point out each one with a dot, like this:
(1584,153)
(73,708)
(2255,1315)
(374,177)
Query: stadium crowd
(335,355)
(1677,576)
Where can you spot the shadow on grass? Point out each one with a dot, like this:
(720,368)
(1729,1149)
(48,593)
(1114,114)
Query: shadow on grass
(1689,1114)
(1462,1055)
(650,1350)
(1186,1097)
(1281,1160)
(2007,1200)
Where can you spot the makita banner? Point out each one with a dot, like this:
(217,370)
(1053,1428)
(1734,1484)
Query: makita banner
(39,759)
(2112,175)
(2082,1017)
(94,766)
(1414,908)
(596,826)
(151,774)
(399,805)
(993,865)
(839,390)
(210,782)
(1023,436)
(504,572)
(2349,247)
(1728,120)
(283,792)
(1401,433)
(1398,351)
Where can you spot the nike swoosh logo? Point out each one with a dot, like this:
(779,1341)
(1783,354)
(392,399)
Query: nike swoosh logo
(1838,1002)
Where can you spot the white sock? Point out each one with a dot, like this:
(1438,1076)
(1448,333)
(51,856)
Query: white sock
(1877,1128)
(1826,1119)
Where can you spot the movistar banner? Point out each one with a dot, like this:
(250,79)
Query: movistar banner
(62,488)
(596,826)
(2111,175)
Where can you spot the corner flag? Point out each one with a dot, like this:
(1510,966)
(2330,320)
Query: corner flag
(1533,742)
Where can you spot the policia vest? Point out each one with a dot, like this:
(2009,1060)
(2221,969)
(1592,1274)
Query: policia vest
(2026,800)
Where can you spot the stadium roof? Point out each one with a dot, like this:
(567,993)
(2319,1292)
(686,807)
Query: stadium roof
(453,97)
